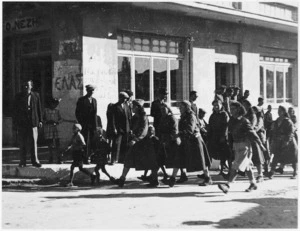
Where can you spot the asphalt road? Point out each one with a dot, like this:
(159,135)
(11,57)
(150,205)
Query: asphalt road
(273,205)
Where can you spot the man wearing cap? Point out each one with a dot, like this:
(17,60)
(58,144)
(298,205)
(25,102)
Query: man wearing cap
(86,115)
(155,111)
(121,127)
(27,119)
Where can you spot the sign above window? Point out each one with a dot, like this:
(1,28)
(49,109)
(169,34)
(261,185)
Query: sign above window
(150,43)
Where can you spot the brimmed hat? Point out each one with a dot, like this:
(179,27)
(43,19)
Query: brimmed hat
(138,102)
(90,87)
(123,94)
(163,91)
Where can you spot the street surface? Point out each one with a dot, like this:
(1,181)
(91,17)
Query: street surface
(273,205)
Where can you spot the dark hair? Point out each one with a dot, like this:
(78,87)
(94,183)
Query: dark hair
(239,106)
(260,98)
(201,111)
(216,101)
(193,93)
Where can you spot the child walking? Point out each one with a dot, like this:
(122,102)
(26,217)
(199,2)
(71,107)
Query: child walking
(52,118)
(102,149)
(77,146)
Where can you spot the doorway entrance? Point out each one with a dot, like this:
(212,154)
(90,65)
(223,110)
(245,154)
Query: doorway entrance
(39,70)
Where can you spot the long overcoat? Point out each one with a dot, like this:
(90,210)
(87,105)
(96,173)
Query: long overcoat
(141,155)
(283,143)
(193,154)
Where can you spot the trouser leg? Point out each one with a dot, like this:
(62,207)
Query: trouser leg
(23,136)
(34,151)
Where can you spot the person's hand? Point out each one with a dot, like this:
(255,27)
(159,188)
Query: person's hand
(40,124)
(131,143)
(178,141)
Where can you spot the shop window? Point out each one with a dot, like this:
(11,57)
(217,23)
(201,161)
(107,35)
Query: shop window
(276,80)
(146,64)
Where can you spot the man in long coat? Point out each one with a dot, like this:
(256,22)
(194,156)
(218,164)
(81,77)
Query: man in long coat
(86,115)
(121,127)
(27,119)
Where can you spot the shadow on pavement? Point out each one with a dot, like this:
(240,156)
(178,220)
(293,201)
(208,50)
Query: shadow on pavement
(269,213)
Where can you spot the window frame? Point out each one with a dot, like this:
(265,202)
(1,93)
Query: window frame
(151,55)
(275,66)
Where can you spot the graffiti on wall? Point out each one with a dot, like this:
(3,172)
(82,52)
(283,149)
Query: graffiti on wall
(21,24)
(67,76)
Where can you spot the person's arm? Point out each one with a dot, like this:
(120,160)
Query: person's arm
(141,131)
(288,130)
(191,123)
(252,134)
(78,110)
(39,110)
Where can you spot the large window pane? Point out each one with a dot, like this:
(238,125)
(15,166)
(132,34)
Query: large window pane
(270,83)
(279,84)
(176,81)
(159,75)
(124,71)
(142,86)
(288,83)
(261,68)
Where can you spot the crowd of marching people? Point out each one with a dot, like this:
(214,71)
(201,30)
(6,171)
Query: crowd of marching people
(238,134)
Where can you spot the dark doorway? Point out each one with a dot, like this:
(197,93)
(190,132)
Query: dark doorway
(39,70)
(227,74)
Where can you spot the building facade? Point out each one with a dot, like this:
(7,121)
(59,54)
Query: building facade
(144,46)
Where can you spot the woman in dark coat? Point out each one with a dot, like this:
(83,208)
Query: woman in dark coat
(257,153)
(218,134)
(192,154)
(283,143)
(242,133)
(141,154)
(168,128)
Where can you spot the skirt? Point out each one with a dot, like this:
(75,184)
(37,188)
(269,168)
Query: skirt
(242,156)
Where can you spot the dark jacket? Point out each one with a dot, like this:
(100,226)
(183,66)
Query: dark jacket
(24,117)
(121,118)
(194,154)
(156,113)
(86,112)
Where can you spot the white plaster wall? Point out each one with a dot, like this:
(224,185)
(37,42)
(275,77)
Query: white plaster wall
(100,68)
(250,73)
(204,79)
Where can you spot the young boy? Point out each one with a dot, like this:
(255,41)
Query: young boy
(102,149)
(52,118)
(77,146)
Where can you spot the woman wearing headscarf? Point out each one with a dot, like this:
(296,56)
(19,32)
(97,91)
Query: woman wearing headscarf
(192,154)
(218,145)
(141,154)
(283,143)
(242,134)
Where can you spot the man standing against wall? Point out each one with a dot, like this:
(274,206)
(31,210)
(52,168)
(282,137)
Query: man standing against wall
(155,111)
(121,127)
(27,119)
(86,115)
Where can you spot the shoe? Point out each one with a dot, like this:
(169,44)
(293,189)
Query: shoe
(112,179)
(224,188)
(153,184)
(259,179)
(165,180)
(93,178)
(270,174)
(279,170)
(171,181)
(120,182)
(225,176)
(38,165)
(70,185)
(202,176)
(22,165)
(294,175)
(207,181)
(183,178)
(241,173)
(251,187)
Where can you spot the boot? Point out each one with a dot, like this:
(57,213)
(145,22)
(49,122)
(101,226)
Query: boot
(259,179)
(252,187)
(224,188)
(183,178)
(171,182)
(294,175)
(207,181)
(153,183)
(271,174)
(120,182)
